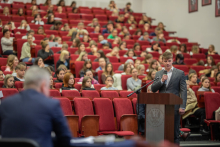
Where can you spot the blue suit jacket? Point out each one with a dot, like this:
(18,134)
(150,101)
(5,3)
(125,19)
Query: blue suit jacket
(30,114)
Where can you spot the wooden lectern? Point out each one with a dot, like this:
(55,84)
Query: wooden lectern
(159,116)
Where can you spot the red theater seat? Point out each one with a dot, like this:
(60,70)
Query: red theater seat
(19,84)
(125,93)
(78,67)
(90,93)
(8,92)
(66,106)
(99,86)
(124,81)
(134,103)
(190,61)
(109,94)
(54,93)
(70,93)
(58,85)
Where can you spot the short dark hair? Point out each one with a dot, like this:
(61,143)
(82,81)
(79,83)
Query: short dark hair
(5,31)
(58,22)
(30,31)
(128,3)
(167,55)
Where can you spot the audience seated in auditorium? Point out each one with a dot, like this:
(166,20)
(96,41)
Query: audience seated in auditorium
(124,31)
(179,60)
(65,28)
(87,83)
(211,50)
(59,9)
(89,73)
(157,29)
(86,39)
(153,65)
(120,19)
(56,26)
(48,3)
(210,61)
(63,48)
(8,81)
(109,80)
(159,37)
(193,79)
(6,11)
(7,43)
(144,20)
(137,63)
(190,72)
(146,27)
(24,25)
(131,20)
(26,50)
(114,53)
(113,35)
(145,37)
(12,62)
(143,54)
(30,32)
(141,70)
(61,3)
(127,69)
(86,66)
(64,59)
(129,61)
(194,50)
(193,109)
(183,49)
(174,49)
(20,70)
(60,75)
(102,64)
(68,82)
(130,53)
(1,75)
(81,48)
(80,27)
(112,6)
(161,26)
(94,23)
(173,40)
(41,31)
(37,20)
(123,46)
(133,83)
(148,59)
(151,75)
(75,42)
(93,47)
(128,8)
(138,32)
(50,19)
(206,86)
(46,54)
(39,62)
(100,54)
(155,47)
(137,47)
(83,56)
(217,77)
(109,28)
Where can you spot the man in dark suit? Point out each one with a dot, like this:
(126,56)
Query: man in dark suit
(32,114)
(172,82)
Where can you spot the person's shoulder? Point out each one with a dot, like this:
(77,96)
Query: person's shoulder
(103,88)
(178,70)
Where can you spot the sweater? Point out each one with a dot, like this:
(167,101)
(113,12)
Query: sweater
(17,79)
(7,44)
(111,36)
(205,89)
(68,88)
(28,28)
(132,84)
(26,50)
(44,55)
(109,88)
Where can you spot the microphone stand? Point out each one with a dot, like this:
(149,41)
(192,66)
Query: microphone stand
(138,91)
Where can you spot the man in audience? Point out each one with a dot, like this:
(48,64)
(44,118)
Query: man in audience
(32,114)
(80,28)
(102,64)
(113,35)
(20,70)
(59,41)
(128,8)
(56,26)
(30,32)
(120,19)
(145,37)
(109,29)
(190,72)
(157,29)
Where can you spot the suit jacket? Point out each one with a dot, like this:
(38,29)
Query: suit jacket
(30,114)
(176,85)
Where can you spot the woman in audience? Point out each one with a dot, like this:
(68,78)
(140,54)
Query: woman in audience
(144,20)
(87,83)
(206,86)
(210,72)
(75,42)
(138,32)
(93,47)
(24,25)
(210,61)
(68,82)
(1,75)
(137,47)
(201,77)
(130,53)
(60,75)
(89,73)
(153,65)
(193,109)
(133,83)
(61,3)
(127,69)
(40,31)
(137,63)
(34,13)
(161,26)
(37,20)
(141,70)
(146,27)
(46,54)
(183,48)
(217,77)
(148,59)
(108,72)
(64,59)
(100,54)
(159,37)
(20,12)
(8,81)
(131,20)
(124,31)
(6,11)
(83,56)
(39,62)
(48,3)
(59,9)
(75,10)
(211,50)
(48,14)
(160,61)
(73,4)
(117,40)
(179,60)
(86,66)
(126,37)
(94,23)
(7,43)
(86,38)
(174,49)
(123,46)
(193,79)
(114,53)
(109,80)
(151,75)
(81,48)
(26,50)
(195,50)
(155,48)
(50,19)
(12,62)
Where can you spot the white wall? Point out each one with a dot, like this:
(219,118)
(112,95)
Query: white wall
(201,26)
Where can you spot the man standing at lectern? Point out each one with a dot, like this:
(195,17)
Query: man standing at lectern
(172,80)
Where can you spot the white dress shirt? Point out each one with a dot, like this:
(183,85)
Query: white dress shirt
(169,74)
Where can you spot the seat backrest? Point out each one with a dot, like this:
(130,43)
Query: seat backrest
(19,84)
(3,61)
(58,85)
(122,106)
(195,88)
(90,93)
(216,88)
(125,93)
(78,67)
(115,66)
(8,91)
(109,94)
(182,67)
(83,106)
(66,106)
(212,103)
(100,76)
(124,81)
(134,102)
(70,93)
(104,108)
(54,93)
(98,86)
